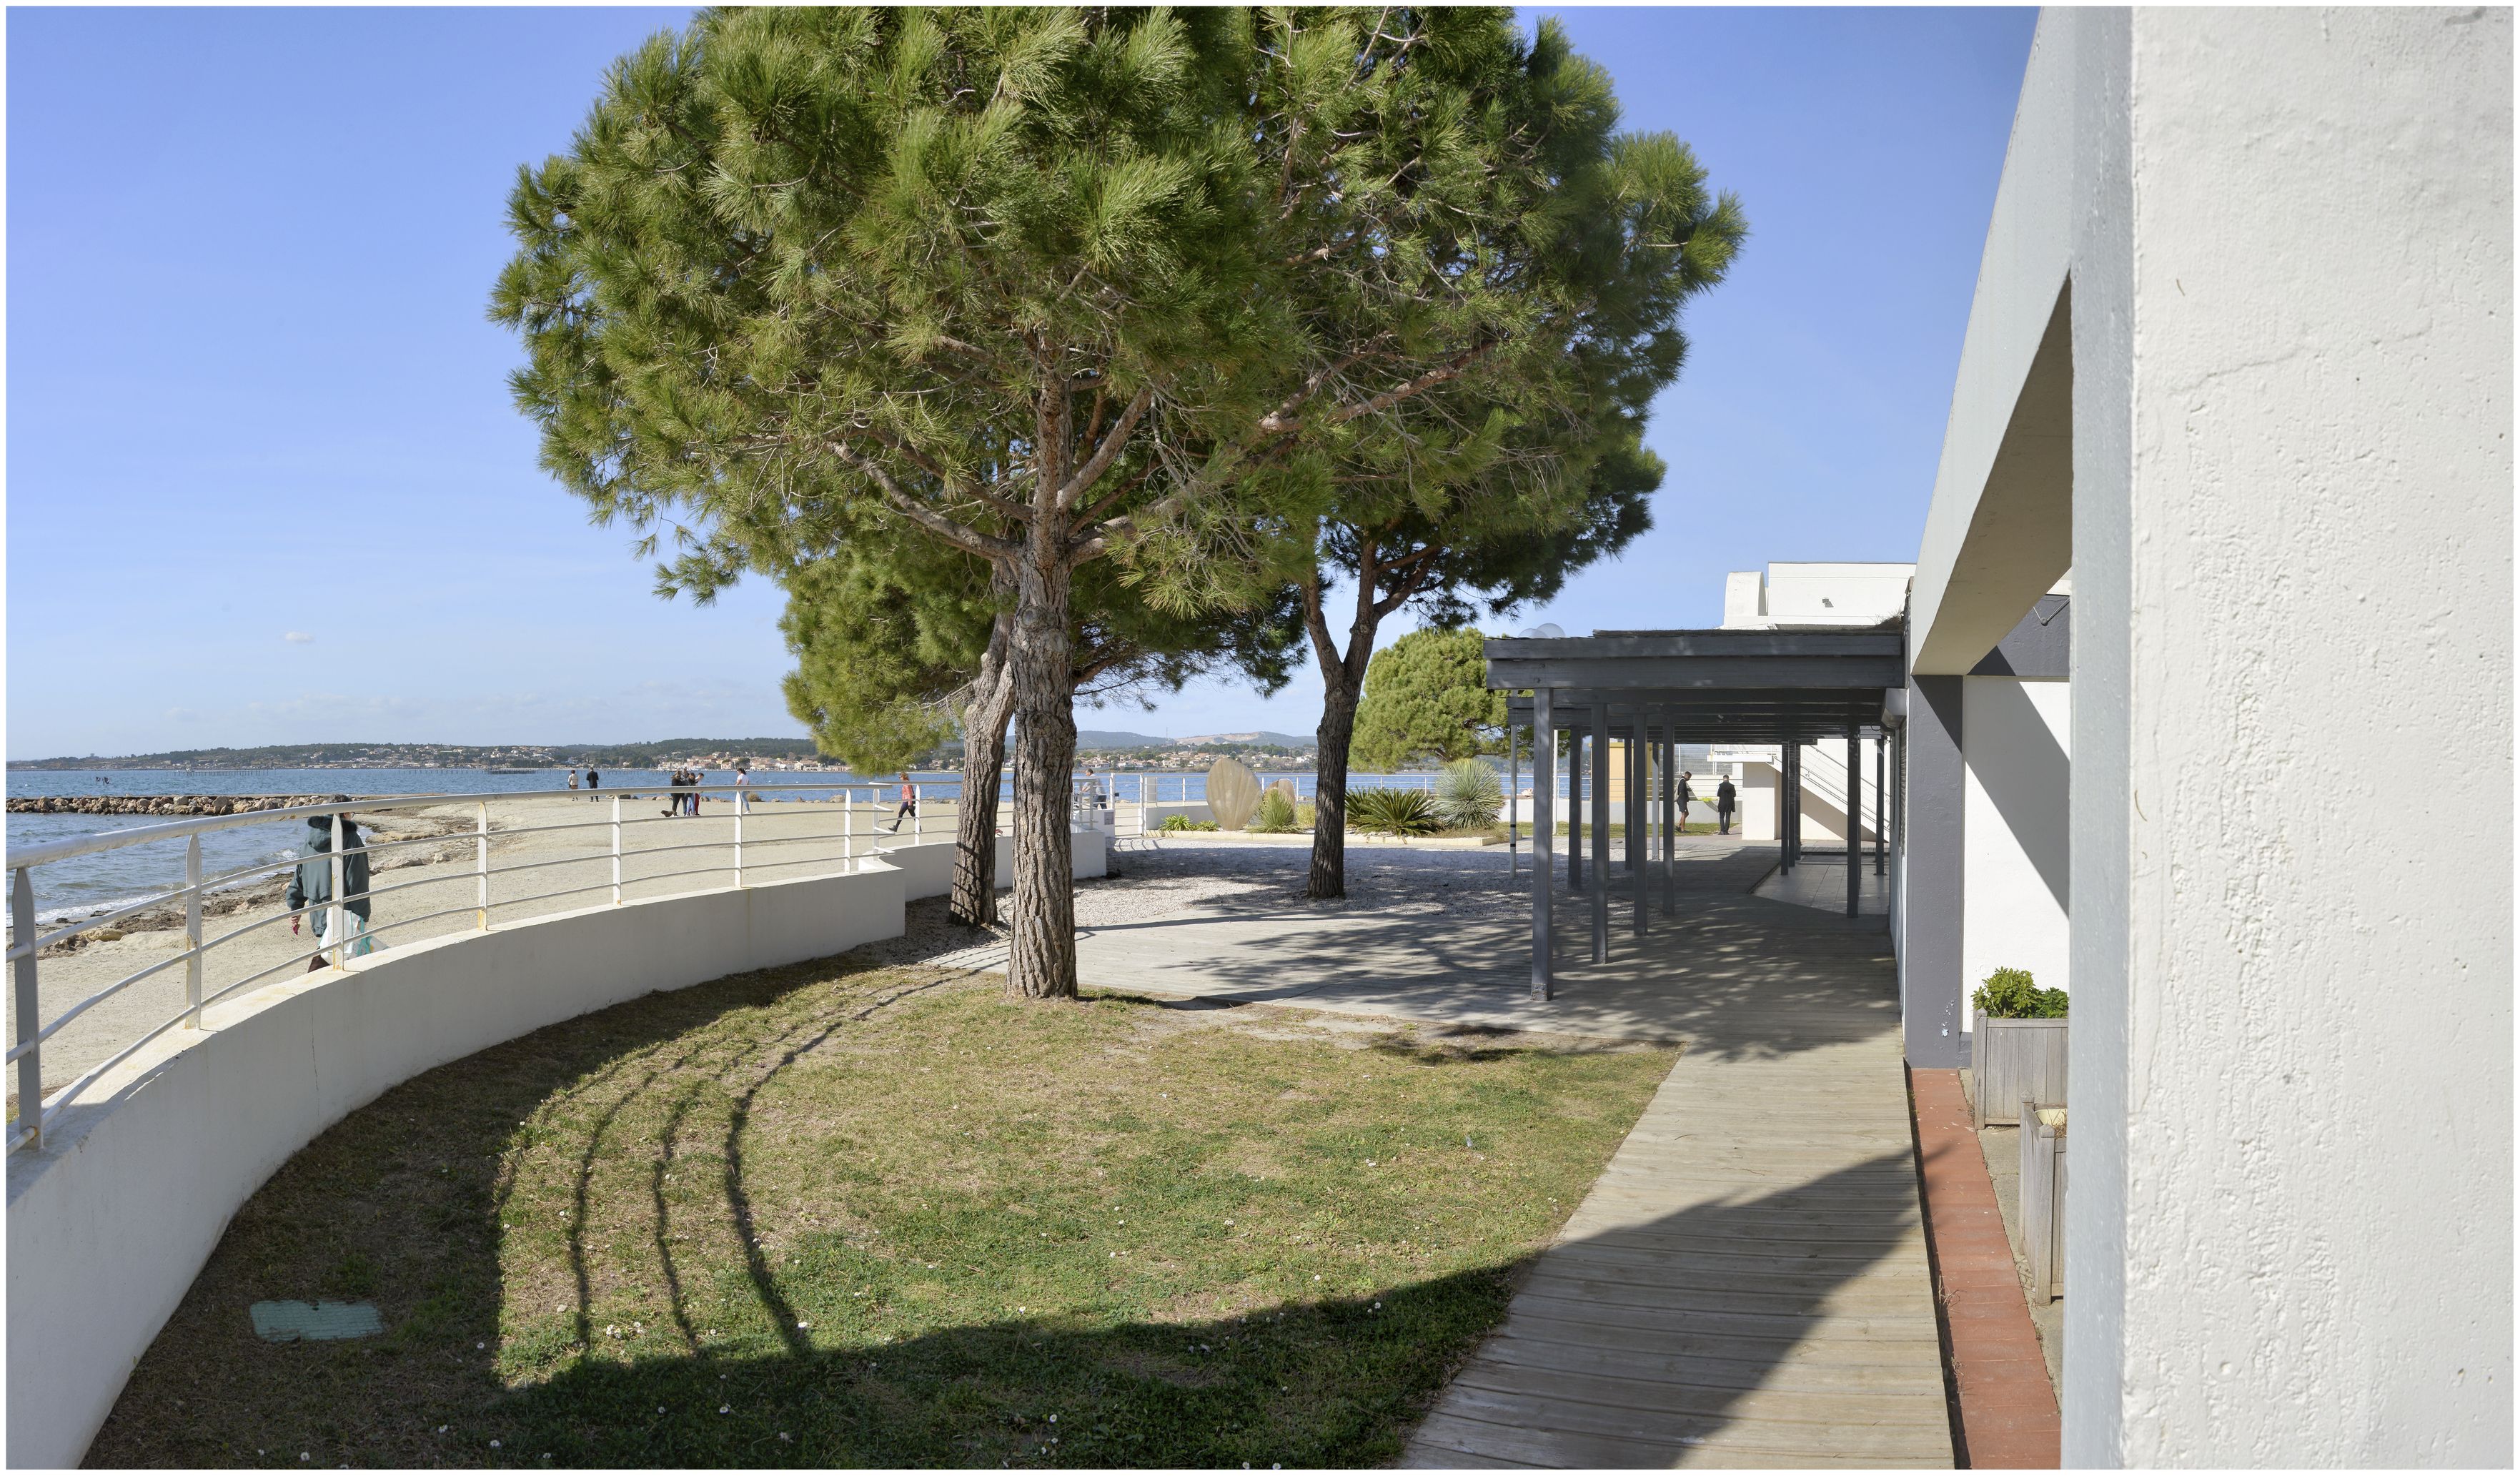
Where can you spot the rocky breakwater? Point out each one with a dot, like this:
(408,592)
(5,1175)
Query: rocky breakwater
(163,806)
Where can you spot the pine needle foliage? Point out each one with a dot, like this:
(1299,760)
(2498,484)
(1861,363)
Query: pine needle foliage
(1426,697)
(1050,287)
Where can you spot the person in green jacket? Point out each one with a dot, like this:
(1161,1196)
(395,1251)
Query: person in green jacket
(311,885)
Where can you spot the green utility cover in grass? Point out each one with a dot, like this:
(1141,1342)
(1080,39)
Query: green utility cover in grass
(288,1321)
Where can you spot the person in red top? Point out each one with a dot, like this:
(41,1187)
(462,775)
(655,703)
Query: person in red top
(909,803)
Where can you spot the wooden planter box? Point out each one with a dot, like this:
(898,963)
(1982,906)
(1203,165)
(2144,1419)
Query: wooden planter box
(2043,1198)
(2012,1059)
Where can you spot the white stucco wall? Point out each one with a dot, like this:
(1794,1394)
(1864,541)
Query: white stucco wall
(2289,235)
(109,1224)
(2318,1105)
(2016,743)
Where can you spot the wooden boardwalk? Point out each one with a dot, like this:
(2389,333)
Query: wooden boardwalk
(1746,1286)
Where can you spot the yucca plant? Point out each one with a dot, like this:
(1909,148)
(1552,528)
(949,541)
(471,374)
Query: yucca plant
(1468,795)
(1394,811)
(1275,814)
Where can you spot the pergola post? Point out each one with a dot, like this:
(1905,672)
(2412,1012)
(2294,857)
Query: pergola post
(1790,793)
(1854,817)
(1543,828)
(1670,823)
(1639,833)
(1513,801)
(1600,880)
(1881,805)
(1575,810)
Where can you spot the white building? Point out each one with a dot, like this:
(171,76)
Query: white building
(1808,597)
(2225,503)
(2239,363)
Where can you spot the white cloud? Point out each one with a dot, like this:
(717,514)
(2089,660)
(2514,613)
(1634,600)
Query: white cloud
(296,637)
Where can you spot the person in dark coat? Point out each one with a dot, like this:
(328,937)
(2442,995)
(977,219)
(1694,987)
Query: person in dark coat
(1724,796)
(311,885)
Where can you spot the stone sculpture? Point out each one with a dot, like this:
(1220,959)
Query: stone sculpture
(1233,793)
(1286,788)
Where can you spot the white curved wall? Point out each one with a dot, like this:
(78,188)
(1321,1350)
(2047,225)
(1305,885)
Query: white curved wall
(110,1223)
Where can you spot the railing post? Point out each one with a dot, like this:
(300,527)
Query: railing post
(616,850)
(481,865)
(848,829)
(739,839)
(30,1067)
(193,931)
(337,924)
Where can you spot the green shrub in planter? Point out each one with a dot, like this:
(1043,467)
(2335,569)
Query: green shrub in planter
(1394,811)
(1275,814)
(1184,822)
(2010,995)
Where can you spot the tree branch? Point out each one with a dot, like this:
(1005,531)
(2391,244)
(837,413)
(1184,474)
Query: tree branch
(969,540)
(1100,461)
(1452,369)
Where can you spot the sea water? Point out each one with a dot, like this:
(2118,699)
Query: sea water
(88,884)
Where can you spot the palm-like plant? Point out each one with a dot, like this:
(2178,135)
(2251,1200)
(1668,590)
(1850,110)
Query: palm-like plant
(1468,795)
(1394,811)
(1275,814)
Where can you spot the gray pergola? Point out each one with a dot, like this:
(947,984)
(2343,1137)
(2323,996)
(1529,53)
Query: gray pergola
(1655,689)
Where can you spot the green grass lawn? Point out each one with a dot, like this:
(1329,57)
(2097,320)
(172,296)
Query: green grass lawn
(826,1216)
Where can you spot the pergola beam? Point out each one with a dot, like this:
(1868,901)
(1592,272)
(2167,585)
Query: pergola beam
(1652,690)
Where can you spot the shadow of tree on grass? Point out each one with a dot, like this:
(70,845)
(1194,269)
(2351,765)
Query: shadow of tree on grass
(503,1210)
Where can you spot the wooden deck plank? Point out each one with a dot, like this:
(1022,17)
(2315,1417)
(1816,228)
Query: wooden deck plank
(1748,1283)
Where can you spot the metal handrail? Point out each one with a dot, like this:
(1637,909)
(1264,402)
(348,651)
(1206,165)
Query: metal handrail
(836,806)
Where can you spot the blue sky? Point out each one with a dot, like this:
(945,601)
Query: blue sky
(265,485)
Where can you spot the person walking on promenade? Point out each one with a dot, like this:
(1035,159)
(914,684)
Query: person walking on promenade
(743,789)
(674,798)
(593,780)
(572,780)
(310,886)
(1724,796)
(908,806)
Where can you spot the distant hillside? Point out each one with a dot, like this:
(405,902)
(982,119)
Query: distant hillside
(1102,738)
(1277,739)
(664,751)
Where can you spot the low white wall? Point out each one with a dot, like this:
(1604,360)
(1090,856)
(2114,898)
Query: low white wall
(113,1218)
(1156,814)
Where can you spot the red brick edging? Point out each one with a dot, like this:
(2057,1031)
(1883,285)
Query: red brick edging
(2008,1411)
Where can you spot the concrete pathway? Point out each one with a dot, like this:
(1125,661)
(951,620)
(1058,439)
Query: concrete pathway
(1821,882)
(1447,936)
(1747,1283)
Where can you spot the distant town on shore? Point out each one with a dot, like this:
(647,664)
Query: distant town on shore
(1262,750)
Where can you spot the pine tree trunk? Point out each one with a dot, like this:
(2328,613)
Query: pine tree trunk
(1042,962)
(984,760)
(1328,874)
(1342,687)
